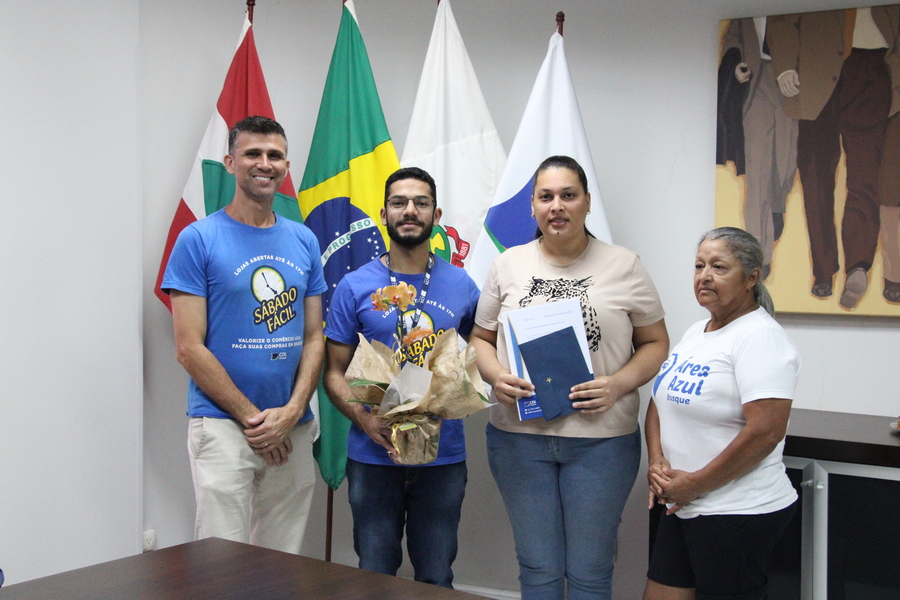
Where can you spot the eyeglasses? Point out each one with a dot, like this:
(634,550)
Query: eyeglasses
(422,203)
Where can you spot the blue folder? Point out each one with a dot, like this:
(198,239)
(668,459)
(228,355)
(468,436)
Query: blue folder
(555,363)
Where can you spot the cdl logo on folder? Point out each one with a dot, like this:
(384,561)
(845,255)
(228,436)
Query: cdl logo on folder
(543,345)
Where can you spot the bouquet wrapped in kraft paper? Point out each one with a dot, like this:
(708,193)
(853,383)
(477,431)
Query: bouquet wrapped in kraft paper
(413,400)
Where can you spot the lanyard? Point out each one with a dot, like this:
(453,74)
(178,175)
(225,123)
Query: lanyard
(420,300)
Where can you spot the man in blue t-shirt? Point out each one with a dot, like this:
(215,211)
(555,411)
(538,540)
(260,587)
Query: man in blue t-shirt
(246,304)
(385,497)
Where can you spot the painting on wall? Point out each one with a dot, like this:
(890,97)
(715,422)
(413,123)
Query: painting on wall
(808,154)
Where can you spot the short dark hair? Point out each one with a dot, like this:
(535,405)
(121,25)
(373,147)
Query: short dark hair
(410,173)
(560,161)
(254,124)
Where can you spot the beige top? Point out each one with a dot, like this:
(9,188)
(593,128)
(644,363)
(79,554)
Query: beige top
(616,295)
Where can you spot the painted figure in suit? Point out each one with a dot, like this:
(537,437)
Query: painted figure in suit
(889,188)
(770,136)
(889,205)
(836,70)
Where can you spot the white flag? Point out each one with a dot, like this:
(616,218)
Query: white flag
(452,136)
(551,125)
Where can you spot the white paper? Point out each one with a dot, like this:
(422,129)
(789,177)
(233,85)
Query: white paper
(410,385)
(526,324)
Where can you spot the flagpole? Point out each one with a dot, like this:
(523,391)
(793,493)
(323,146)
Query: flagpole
(329,507)
(250,5)
(560,19)
(329,521)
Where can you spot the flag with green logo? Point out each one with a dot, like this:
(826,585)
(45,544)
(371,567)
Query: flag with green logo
(452,136)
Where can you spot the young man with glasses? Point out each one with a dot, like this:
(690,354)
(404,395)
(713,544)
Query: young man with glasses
(385,497)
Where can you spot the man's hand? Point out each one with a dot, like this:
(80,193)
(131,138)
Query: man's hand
(742,73)
(337,359)
(277,455)
(789,83)
(269,428)
(381,435)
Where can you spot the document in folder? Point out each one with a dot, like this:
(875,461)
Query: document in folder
(547,345)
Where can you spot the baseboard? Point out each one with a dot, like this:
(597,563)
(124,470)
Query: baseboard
(487,592)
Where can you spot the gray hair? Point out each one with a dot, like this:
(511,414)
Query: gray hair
(746,249)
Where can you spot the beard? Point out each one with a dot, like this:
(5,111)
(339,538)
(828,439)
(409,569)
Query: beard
(410,240)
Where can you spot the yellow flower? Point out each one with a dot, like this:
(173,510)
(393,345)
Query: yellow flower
(400,295)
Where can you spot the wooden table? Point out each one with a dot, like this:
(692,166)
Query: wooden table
(217,569)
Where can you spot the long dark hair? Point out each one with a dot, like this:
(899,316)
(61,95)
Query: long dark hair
(560,161)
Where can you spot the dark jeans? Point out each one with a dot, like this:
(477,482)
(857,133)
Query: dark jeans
(426,500)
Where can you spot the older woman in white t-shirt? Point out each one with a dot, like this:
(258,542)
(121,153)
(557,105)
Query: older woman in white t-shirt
(715,433)
(565,481)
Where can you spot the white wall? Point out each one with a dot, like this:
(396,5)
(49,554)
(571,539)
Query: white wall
(70,242)
(645,76)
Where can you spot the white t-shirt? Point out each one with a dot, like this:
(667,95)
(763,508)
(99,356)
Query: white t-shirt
(616,296)
(700,392)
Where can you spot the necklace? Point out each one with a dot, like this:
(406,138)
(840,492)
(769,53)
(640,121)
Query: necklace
(420,300)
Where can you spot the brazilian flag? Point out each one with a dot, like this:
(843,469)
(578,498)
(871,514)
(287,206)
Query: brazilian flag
(342,193)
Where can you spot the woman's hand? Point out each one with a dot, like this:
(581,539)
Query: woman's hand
(508,388)
(656,476)
(597,395)
(678,487)
(651,345)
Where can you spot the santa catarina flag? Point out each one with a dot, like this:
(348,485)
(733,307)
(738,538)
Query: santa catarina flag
(209,186)
(342,193)
(453,137)
(551,125)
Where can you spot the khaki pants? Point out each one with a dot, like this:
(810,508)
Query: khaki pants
(239,497)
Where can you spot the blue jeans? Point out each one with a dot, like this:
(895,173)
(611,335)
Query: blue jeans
(427,500)
(564,497)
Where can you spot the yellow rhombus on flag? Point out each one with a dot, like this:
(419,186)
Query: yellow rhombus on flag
(341,196)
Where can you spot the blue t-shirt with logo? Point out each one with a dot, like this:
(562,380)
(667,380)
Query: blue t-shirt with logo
(450,302)
(254,280)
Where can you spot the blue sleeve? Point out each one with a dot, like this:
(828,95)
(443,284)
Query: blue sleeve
(317,283)
(186,269)
(468,319)
(342,325)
